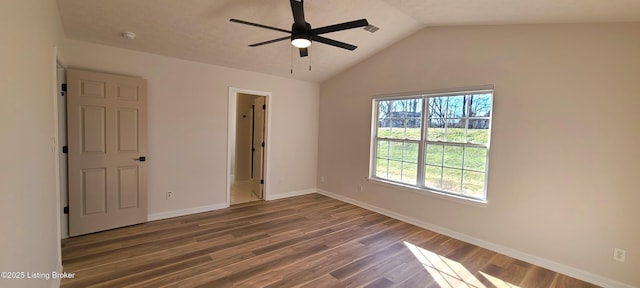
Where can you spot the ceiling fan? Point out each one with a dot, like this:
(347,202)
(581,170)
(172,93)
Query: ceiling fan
(302,34)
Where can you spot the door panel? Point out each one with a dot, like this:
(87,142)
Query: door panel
(128,188)
(106,134)
(93,131)
(128,93)
(93,89)
(127,130)
(94,191)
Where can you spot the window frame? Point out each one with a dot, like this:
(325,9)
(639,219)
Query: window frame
(420,185)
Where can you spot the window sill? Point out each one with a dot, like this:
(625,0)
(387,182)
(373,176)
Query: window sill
(430,193)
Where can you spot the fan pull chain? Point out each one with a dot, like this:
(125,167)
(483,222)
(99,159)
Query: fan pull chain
(309,52)
(292,60)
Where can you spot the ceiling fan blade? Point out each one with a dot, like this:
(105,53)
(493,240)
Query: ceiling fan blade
(259,25)
(333,42)
(304,52)
(270,41)
(298,15)
(340,27)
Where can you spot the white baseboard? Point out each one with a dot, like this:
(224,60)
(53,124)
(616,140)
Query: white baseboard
(291,194)
(545,263)
(183,212)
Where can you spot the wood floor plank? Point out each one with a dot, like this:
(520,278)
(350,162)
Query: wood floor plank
(366,262)
(538,277)
(328,264)
(378,270)
(380,283)
(325,281)
(351,225)
(420,279)
(305,241)
(316,269)
(564,281)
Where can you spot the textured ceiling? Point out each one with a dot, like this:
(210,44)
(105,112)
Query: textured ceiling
(200,30)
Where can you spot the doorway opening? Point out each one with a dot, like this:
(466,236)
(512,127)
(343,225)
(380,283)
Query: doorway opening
(248,126)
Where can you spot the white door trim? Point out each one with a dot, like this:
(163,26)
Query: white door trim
(231,135)
(58,62)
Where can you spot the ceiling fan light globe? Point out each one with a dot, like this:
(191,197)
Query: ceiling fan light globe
(301,42)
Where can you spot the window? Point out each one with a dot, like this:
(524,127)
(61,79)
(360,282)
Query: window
(436,142)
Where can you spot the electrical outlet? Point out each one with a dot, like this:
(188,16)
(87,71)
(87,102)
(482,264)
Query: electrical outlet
(360,187)
(619,254)
(322,179)
(169,195)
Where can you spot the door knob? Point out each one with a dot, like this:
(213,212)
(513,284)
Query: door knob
(141,159)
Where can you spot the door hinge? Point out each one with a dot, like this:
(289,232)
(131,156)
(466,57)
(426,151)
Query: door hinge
(63,87)
(65,149)
(262,181)
(262,144)
(264,106)
(66,210)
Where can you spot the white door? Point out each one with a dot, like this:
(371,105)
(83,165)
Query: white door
(107,131)
(258,146)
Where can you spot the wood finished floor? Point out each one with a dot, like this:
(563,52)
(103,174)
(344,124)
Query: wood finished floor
(306,241)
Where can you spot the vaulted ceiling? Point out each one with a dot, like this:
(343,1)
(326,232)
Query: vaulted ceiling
(199,30)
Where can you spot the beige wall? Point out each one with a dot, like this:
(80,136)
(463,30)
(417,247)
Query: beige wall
(243,137)
(563,182)
(188,105)
(29,211)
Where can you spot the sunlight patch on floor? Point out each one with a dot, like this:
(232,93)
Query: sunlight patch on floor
(449,273)
(499,283)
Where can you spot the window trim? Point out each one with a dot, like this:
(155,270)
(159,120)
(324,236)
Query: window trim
(419,187)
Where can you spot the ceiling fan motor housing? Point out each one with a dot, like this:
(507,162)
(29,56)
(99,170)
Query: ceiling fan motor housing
(297,33)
